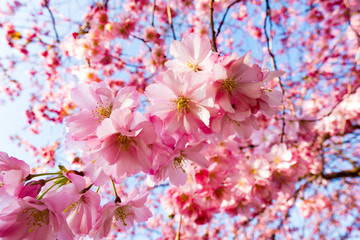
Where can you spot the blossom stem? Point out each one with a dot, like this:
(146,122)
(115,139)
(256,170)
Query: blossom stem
(178,230)
(31,176)
(214,48)
(47,190)
(117,198)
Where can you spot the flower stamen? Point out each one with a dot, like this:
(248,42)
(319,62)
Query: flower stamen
(121,213)
(37,218)
(123,142)
(182,104)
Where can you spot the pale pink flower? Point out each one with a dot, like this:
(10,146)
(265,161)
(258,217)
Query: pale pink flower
(192,54)
(121,214)
(97,101)
(181,101)
(29,218)
(258,169)
(125,139)
(281,157)
(182,156)
(82,214)
(238,85)
(12,174)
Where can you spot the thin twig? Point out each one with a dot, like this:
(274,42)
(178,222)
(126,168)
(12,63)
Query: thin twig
(143,40)
(170,21)
(223,18)
(53,21)
(269,47)
(213,37)
(153,13)
(178,230)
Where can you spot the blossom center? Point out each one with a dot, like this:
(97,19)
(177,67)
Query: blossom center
(75,206)
(229,85)
(194,67)
(253,171)
(182,104)
(121,213)
(37,218)
(123,142)
(178,163)
(103,110)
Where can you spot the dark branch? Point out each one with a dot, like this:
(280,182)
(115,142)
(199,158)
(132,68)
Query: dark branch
(153,13)
(223,18)
(52,20)
(355,172)
(213,37)
(171,22)
(143,40)
(269,47)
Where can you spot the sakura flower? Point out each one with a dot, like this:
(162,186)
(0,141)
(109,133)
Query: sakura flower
(281,157)
(13,172)
(82,214)
(29,218)
(125,138)
(121,214)
(238,86)
(182,155)
(182,102)
(192,54)
(97,101)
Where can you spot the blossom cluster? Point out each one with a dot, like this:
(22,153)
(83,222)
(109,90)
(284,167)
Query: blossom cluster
(201,103)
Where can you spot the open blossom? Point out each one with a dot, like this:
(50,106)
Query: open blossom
(281,157)
(12,174)
(125,138)
(81,215)
(121,214)
(192,54)
(183,155)
(97,101)
(29,218)
(181,101)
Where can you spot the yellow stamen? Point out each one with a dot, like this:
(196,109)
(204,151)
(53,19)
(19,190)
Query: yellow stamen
(121,213)
(102,110)
(178,162)
(182,104)
(229,85)
(37,218)
(194,67)
(123,142)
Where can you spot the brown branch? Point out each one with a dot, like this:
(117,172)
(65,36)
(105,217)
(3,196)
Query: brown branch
(53,21)
(170,21)
(143,40)
(153,13)
(178,230)
(269,47)
(213,37)
(106,4)
(224,16)
(355,172)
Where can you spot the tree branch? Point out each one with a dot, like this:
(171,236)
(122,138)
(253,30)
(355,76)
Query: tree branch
(269,47)
(355,172)
(178,230)
(224,16)
(53,21)
(170,21)
(213,37)
(153,13)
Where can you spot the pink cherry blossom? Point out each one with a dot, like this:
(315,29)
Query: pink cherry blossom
(29,218)
(125,138)
(181,101)
(192,54)
(121,214)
